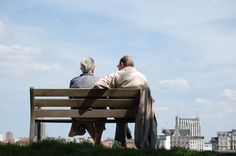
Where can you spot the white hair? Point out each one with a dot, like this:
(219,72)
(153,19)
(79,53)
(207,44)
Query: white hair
(87,64)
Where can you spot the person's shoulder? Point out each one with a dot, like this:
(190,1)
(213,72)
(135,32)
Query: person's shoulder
(73,82)
(91,76)
(96,77)
(75,78)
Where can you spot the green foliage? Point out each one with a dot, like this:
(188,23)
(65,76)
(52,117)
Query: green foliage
(61,148)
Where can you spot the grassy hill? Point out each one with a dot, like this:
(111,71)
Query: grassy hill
(58,148)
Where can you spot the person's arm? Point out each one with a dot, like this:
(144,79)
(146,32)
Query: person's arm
(107,81)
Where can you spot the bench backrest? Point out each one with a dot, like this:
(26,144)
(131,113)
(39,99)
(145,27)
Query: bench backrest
(88,103)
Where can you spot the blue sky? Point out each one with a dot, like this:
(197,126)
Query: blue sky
(186,49)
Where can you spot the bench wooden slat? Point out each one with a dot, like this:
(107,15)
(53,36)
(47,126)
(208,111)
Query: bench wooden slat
(94,113)
(83,121)
(53,105)
(88,93)
(92,103)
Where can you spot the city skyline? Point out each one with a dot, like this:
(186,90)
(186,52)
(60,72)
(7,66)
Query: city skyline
(184,123)
(185,49)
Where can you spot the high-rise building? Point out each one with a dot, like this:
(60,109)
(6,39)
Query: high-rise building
(193,124)
(1,137)
(9,136)
(187,134)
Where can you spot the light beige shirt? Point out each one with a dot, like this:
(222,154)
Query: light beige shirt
(145,122)
(126,77)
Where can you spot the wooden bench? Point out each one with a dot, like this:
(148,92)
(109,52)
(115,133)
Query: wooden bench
(54,106)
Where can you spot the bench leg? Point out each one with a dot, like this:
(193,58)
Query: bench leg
(32,131)
(38,128)
(36,131)
(32,116)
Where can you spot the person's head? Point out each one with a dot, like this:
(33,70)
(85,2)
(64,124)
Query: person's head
(125,61)
(87,65)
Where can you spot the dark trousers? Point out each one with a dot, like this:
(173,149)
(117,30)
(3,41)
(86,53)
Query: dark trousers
(120,135)
(122,132)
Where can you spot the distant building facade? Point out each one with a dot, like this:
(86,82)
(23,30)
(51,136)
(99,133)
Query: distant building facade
(233,141)
(214,142)
(1,138)
(130,143)
(9,137)
(196,143)
(193,124)
(22,141)
(187,134)
(164,141)
(207,146)
(227,140)
(178,137)
(81,140)
(108,142)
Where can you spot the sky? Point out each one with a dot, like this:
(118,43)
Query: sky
(186,49)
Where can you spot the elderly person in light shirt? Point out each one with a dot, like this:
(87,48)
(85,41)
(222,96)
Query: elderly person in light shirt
(126,77)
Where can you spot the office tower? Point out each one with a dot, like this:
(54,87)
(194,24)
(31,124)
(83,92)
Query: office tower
(193,124)
(9,136)
(1,137)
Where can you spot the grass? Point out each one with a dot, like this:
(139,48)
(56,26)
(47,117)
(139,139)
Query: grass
(59,148)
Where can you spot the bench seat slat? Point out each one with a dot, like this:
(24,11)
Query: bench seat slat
(91,103)
(88,93)
(54,106)
(82,121)
(94,113)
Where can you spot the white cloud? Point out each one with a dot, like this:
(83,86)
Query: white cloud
(230,94)
(45,67)
(18,60)
(15,57)
(17,50)
(181,20)
(179,84)
(202,101)
(163,109)
(213,115)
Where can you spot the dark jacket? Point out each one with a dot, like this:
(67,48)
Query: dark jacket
(83,81)
(145,133)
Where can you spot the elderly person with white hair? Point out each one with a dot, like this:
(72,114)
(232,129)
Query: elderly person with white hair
(86,80)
